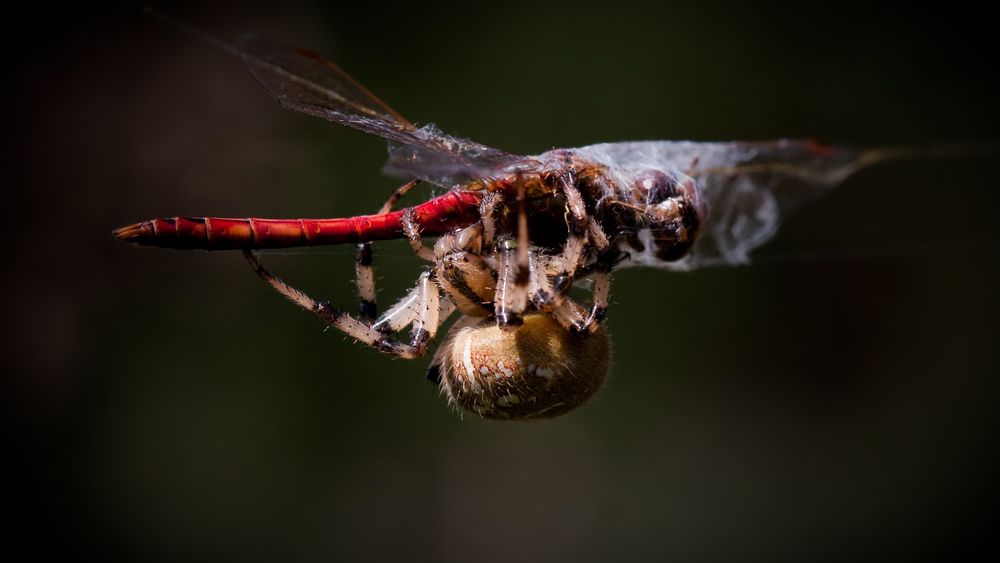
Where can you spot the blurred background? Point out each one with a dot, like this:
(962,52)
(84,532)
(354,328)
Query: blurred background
(836,399)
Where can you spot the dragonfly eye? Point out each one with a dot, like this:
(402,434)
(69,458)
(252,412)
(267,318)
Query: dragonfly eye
(654,187)
(675,213)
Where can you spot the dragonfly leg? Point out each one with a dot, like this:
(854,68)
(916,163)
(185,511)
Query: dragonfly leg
(426,322)
(364,273)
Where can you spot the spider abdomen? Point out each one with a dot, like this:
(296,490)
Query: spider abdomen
(540,370)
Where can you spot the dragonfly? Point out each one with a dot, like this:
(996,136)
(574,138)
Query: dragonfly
(514,234)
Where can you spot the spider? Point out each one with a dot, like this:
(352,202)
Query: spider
(524,347)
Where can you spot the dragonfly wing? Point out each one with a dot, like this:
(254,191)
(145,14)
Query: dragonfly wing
(751,187)
(303,81)
(447,161)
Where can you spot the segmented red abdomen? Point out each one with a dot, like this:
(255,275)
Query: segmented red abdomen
(436,216)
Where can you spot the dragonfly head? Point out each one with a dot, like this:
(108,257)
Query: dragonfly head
(671,213)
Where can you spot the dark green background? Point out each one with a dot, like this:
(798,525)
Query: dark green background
(837,399)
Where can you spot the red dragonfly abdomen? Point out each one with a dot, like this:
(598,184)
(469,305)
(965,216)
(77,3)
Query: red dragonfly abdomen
(436,216)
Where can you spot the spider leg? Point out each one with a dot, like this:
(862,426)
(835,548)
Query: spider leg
(571,314)
(364,273)
(421,309)
(425,323)
(463,274)
(511,298)
(514,276)
(567,263)
(599,307)
(607,258)
(412,231)
(540,287)
(487,210)
(364,279)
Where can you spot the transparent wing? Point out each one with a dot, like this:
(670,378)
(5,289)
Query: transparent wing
(751,187)
(748,188)
(448,161)
(303,81)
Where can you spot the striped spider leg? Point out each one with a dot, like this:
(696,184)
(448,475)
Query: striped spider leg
(528,274)
(466,278)
(364,274)
(422,308)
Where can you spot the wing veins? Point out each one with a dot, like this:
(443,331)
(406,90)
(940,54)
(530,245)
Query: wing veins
(303,81)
